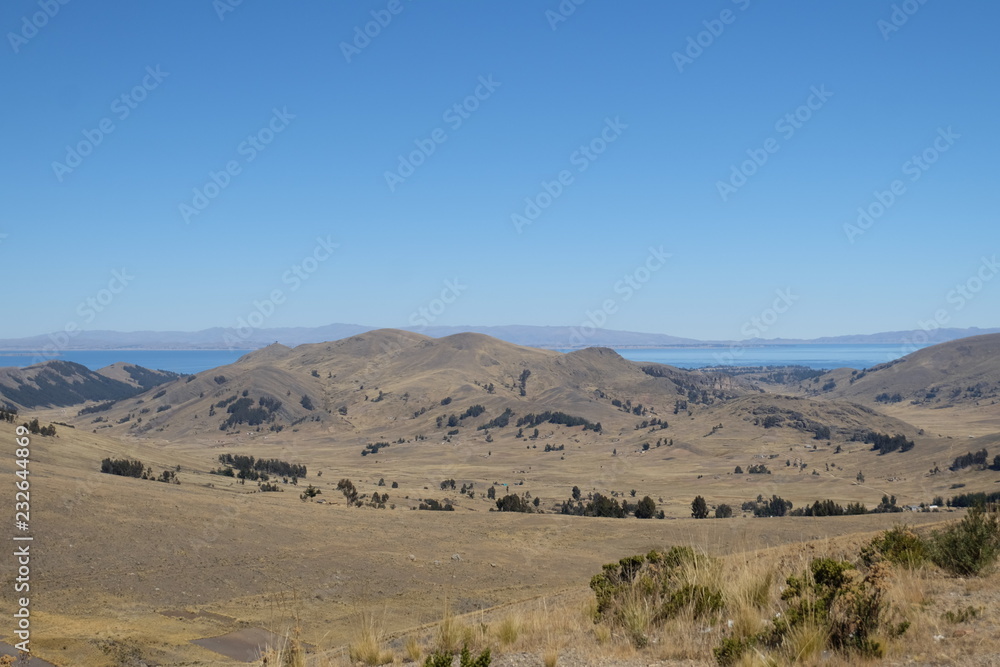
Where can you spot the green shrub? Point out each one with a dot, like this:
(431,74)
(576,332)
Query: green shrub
(898,545)
(731,650)
(962,615)
(646,590)
(465,659)
(968,547)
(853,609)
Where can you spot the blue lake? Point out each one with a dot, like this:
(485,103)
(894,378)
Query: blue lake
(813,356)
(178,361)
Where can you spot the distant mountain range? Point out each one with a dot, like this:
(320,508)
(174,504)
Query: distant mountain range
(551,337)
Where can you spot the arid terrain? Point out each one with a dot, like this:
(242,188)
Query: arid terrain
(130,571)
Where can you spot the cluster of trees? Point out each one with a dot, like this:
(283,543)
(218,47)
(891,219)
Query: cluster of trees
(8,414)
(887,506)
(243,411)
(758,469)
(455,420)
(123,467)
(627,406)
(600,505)
(974,499)
(92,409)
(134,468)
(373,447)
(472,411)
(37,429)
(515,503)
(883,443)
(498,422)
(273,466)
(762,507)
(555,448)
(558,418)
(306,402)
(830,508)
(885,397)
(523,382)
(980,458)
(435,506)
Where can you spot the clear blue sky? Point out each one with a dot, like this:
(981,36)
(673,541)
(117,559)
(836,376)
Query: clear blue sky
(678,127)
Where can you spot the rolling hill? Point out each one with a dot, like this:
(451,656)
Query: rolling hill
(64,383)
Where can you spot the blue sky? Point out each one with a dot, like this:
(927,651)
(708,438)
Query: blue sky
(642,138)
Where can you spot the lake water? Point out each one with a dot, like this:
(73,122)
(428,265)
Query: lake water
(813,356)
(178,361)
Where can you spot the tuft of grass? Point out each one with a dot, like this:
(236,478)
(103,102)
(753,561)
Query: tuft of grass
(508,630)
(805,642)
(635,613)
(413,649)
(449,634)
(367,648)
(288,654)
(550,657)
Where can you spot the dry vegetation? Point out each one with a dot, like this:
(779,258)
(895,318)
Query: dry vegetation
(742,612)
(135,570)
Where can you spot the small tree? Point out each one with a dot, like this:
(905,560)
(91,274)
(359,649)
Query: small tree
(699,508)
(576,493)
(723,511)
(861,478)
(646,508)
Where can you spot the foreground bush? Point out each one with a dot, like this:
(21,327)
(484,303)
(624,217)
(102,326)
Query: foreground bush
(641,592)
(465,659)
(831,605)
(898,545)
(968,547)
